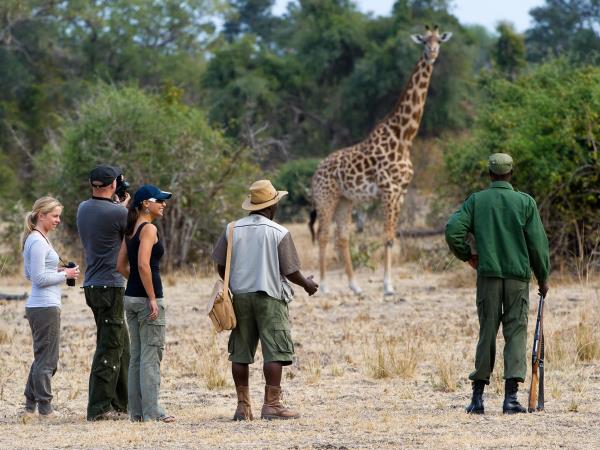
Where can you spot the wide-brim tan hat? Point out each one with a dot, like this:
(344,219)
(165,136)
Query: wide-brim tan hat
(262,195)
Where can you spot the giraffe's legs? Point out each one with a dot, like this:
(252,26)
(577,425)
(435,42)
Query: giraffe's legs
(391,204)
(325,216)
(343,220)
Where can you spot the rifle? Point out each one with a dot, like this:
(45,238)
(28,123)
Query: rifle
(536,391)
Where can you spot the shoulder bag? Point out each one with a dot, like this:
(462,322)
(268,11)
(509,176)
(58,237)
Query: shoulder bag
(220,307)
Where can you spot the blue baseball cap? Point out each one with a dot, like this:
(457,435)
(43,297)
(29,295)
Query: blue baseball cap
(147,192)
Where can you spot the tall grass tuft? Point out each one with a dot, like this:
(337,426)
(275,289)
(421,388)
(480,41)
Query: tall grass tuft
(586,340)
(5,337)
(313,370)
(445,377)
(392,356)
(211,366)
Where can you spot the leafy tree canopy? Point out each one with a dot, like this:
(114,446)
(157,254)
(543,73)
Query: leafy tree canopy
(549,121)
(565,27)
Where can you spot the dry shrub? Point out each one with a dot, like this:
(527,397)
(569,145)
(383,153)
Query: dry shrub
(170,279)
(558,352)
(445,377)
(586,340)
(4,378)
(579,387)
(461,278)
(392,357)
(211,365)
(6,337)
(555,391)
(336,370)
(313,369)
(497,377)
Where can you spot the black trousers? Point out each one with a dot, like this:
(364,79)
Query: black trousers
(108,376)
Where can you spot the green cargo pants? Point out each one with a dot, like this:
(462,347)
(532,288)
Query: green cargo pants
(108,377)
(501,300)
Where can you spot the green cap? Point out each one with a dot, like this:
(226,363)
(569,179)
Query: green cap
(500,163)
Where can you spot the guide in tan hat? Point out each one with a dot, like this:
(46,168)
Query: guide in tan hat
(510,241)
(263,259)
(262,195)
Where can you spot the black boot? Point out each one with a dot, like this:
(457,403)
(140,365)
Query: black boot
(511,405)
(476,406)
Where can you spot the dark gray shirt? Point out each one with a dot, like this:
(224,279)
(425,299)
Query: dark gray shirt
(101,225)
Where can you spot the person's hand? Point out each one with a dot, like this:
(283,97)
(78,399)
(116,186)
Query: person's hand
(310,286)
(543,289)
(153,309)
(473,261)
(72,272)
(125,201)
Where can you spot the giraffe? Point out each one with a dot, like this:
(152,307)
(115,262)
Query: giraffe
(379,166)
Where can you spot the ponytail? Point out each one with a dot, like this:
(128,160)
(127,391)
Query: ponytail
(133,214)
(30,220)
(43,205)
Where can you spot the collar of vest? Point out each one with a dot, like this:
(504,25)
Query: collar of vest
(502,185)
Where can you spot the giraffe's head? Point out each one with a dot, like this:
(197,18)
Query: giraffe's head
(431,41)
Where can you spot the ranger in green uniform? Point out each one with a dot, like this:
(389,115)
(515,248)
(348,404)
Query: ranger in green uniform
(509,241)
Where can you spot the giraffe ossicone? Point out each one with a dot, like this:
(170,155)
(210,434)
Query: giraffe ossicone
(377,167)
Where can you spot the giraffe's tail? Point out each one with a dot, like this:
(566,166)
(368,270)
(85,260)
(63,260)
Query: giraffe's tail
(311,224)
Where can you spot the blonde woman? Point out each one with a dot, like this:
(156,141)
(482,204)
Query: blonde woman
(43,305)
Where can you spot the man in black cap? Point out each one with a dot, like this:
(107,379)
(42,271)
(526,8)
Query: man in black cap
(101,222)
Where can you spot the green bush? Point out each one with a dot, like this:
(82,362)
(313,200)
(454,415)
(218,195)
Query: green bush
(153,139)
(549,121)
(295,177)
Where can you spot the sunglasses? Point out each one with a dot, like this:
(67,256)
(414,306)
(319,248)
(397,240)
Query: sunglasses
(153,200)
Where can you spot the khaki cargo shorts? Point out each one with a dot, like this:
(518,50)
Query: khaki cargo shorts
(264,318)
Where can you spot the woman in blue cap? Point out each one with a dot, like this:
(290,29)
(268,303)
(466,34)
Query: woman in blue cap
(138,261)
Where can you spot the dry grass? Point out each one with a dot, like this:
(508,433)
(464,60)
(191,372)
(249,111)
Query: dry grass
(587,340)
(369,372)
(445,377)
(390,357)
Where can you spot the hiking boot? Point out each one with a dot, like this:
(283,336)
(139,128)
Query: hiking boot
(476,406)
(45,408)
(244,410)
(109,415)
(272,408)
(30,406)
(511,405)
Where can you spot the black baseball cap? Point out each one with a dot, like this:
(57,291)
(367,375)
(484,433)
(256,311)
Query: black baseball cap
(148,191)
(103,175)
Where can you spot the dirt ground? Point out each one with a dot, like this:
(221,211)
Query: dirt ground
(369,371)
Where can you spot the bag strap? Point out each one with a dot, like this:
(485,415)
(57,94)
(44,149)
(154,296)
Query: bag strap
(228,262)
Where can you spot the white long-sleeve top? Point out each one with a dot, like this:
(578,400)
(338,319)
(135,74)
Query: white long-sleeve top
(41,265)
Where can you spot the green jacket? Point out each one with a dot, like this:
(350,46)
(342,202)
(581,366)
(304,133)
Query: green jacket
(509,235)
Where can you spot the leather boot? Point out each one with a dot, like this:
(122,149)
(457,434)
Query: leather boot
(244,410)
(476,406)
(272,408)
(511,405)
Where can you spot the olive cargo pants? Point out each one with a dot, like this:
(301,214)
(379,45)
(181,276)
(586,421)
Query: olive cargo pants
(506,301)
(147,347)
(108,377)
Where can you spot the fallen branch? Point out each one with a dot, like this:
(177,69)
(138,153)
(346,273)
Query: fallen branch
(420,233)
(13,296)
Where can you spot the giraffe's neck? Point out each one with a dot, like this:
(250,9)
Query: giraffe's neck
(401,125)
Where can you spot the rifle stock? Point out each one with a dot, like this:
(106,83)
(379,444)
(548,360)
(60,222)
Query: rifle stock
(536,390)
